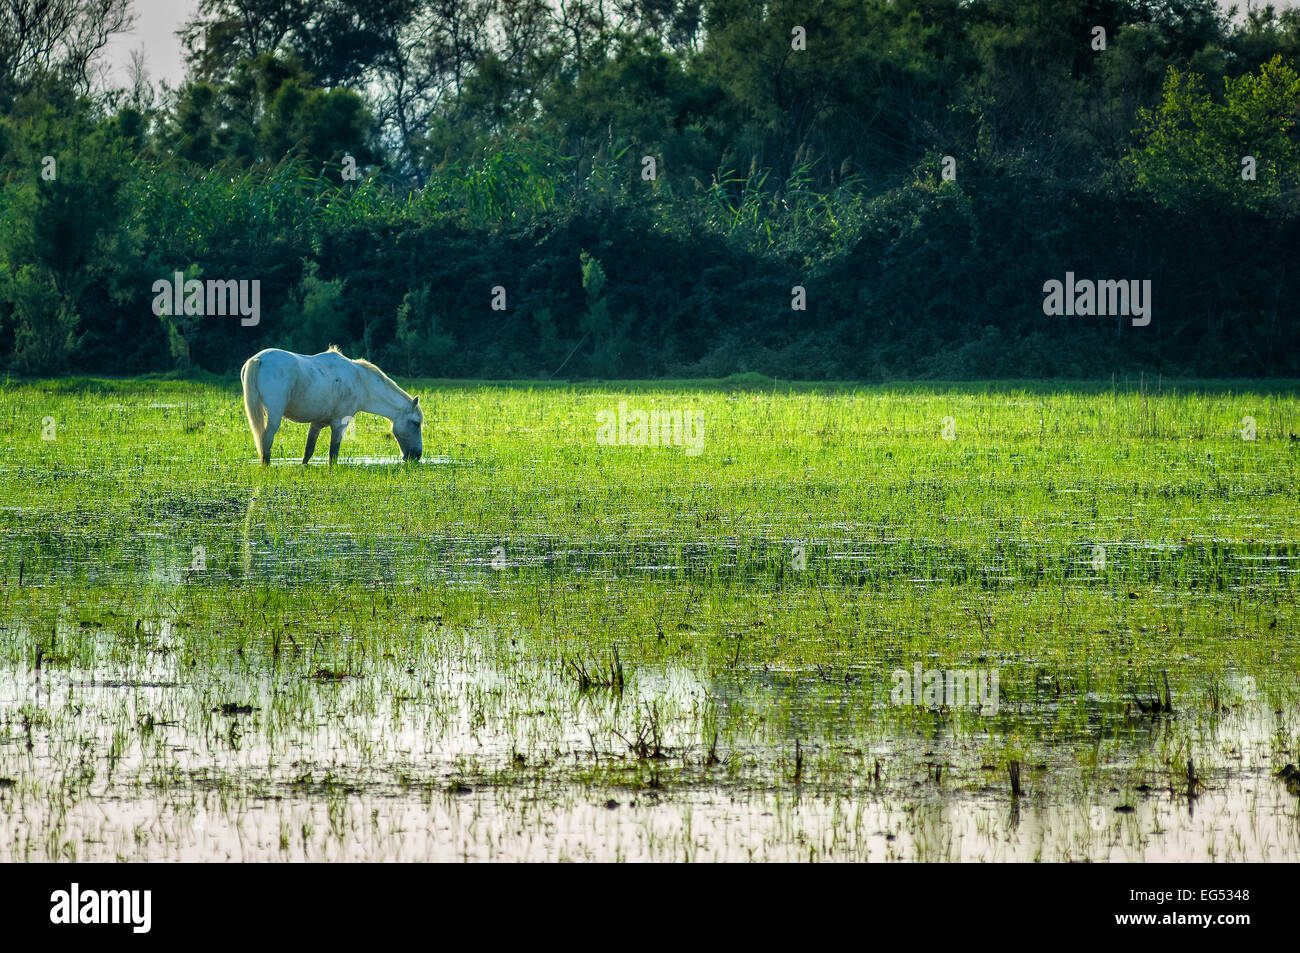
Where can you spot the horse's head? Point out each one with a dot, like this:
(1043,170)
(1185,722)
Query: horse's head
(407,430)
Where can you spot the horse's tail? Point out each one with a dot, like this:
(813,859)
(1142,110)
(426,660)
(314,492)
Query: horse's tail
(253,405)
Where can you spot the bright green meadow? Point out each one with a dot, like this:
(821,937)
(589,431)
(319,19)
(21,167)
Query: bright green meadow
(535,645)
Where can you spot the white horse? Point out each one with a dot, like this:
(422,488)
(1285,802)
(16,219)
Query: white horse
(324,390)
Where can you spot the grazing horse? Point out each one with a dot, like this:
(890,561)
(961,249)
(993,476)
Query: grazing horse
(324,390)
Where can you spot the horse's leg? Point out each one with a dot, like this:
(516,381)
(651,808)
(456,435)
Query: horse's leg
(337,429)
(268,435)
(312,434)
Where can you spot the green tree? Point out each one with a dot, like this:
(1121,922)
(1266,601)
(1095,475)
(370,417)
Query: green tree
(318,318)
(608,333)
(268,109)
(423,344)
(1194,151)
(61,210)
(182,328)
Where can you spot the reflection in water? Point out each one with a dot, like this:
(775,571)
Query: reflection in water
(480,753)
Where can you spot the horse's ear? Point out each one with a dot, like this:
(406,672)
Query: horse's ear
(416,402)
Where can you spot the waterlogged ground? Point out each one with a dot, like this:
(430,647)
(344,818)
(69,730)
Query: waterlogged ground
(537,646)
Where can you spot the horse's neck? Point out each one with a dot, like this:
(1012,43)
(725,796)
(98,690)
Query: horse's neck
(378,396)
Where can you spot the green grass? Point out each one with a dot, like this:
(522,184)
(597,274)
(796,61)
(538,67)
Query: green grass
(410,639)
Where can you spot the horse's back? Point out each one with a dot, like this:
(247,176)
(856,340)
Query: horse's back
(309,388)
(290,368)
(273,357)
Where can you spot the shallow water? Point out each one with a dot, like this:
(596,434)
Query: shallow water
(204,659)
(367,461)
(695,826)
(246,545)
(486,753)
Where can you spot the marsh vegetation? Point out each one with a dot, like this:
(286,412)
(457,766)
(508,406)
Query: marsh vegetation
(533,645)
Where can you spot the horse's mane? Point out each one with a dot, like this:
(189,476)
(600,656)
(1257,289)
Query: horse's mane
(370,367)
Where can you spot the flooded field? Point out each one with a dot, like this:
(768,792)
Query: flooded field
(909,623)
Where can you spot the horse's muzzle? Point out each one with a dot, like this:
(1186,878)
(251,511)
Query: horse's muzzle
(413,456)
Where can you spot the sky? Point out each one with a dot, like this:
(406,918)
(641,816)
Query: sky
(156,23)
(158,20)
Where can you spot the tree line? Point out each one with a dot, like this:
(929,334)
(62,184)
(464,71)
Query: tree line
(860,189)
